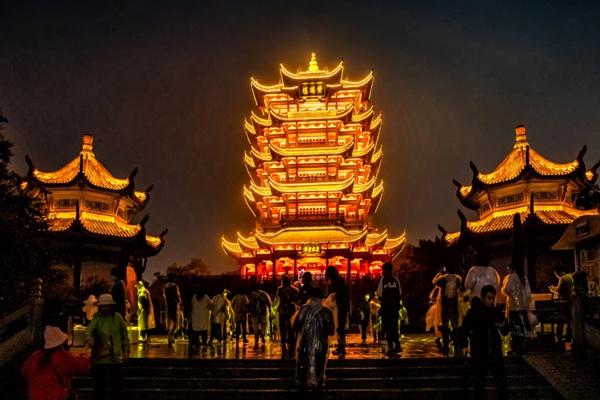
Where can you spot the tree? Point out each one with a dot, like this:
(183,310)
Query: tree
(25,248)
(195,267)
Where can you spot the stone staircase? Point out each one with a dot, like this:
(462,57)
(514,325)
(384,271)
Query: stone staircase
(416,378)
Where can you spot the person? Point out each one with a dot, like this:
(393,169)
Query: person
(306,291)
(483,325)
(374,308)
(172,298)
(273,320)
(564,291)
(107,336)
(389,291)
(518,296)
(48,372)
(240,304)
(433,318)
(287,295)
(90,307)
(313,327)
(337,288)
(403,318)
(449,284)
(219,317)
(157,292)
(145,311)
(201,306)
(119,293)
(260,303)
(364,314)
(480,275)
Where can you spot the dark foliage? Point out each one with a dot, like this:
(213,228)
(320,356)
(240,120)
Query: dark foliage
(25,249)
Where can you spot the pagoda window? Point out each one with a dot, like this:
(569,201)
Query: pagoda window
(312,210)
(96,205)
(510,199)
(545,196)
(65,203)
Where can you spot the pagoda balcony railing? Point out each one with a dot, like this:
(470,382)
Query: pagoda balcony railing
(306,179)
(301,220)
(310,145)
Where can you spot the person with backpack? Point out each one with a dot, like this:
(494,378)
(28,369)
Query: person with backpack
(287,295)
(107,335)
(260,303)
(48,372)
(389,292)
(314,325)
(240,304)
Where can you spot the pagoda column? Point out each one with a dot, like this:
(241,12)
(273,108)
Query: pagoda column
(295,266)
(274,261)
(77,269)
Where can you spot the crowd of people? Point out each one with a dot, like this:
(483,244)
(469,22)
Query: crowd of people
(306,319)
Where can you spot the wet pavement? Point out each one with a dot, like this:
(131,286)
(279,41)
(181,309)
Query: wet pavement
(413,346)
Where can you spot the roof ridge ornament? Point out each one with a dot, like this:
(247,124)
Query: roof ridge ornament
(313,66)
(521,136)
(87,142)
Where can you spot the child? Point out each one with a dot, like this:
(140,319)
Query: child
(483,324)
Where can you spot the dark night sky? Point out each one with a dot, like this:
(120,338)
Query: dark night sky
(166,88)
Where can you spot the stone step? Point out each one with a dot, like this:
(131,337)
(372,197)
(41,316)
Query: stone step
(254,373)
(385,382)
(523,392)
(332,362)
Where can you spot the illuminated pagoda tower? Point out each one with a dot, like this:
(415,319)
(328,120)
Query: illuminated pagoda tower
(90,214)
(313,164)
(547,196)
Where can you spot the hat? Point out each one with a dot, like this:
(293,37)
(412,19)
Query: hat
(53,337)
(91,300)
(106,300)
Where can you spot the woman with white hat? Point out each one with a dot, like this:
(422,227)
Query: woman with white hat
(107,335)
(48,372)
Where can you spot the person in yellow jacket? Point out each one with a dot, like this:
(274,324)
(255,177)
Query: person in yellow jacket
(145,308)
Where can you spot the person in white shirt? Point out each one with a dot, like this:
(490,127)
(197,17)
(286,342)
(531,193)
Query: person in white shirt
(518,296)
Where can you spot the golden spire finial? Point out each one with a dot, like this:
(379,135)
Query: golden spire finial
(87,142)
(521,136)
(312,65)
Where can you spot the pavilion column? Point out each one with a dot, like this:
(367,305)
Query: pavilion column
(295,267)
(274,261)
(77,271)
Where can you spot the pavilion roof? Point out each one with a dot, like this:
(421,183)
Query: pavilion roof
(521,159)
(87,167)
(101,225)
(502,221)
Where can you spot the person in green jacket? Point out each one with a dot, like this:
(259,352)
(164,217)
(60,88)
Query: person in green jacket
(107,336)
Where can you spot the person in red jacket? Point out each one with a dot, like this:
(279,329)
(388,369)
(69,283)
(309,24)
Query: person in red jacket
(48,372)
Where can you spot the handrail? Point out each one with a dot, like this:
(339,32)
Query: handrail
(9,319)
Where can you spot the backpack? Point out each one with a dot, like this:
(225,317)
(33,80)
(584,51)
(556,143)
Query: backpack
(259,304)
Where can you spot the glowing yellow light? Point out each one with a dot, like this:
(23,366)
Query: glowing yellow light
(314,154)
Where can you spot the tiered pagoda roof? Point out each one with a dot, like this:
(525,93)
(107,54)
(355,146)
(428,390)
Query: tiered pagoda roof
(84,198)
(313,163)
(524,183)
